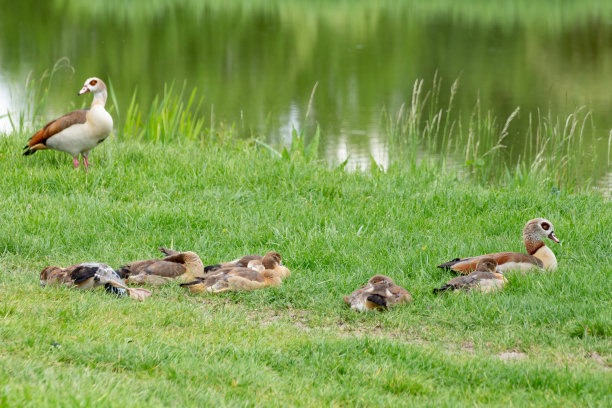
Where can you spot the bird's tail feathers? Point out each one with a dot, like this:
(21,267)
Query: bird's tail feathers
(378,300)
(449,264)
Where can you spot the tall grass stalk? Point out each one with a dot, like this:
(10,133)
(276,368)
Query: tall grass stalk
(554,154)
(35,94)
(168,118)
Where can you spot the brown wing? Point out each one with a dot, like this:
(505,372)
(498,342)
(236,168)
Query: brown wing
(467,265)
(171,266)
(461,281)
(400,294)
(244,261)
(57,125)
(482,275)
(247,273)
(166,269)
(135,268)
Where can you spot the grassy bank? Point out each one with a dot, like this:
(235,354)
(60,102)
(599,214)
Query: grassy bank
(544,340)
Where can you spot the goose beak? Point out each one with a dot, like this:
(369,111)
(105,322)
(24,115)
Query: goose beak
(553,237)
(83,90)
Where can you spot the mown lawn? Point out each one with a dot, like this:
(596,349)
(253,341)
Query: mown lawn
(545,340)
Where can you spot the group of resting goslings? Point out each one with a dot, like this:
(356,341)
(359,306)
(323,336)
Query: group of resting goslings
(484,273)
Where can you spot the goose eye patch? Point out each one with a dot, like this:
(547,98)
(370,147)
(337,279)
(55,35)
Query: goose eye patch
(545,226)
(93,82)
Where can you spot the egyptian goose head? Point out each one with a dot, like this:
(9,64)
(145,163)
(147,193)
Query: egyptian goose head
(77,132)
(273,261)
(534,232)
(487,265)
(98,88)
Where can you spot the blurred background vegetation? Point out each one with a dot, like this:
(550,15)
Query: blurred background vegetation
(255,63)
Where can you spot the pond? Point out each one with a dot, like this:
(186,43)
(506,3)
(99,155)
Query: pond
(256,63)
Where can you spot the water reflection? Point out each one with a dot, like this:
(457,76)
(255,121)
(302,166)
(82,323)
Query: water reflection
(257,62)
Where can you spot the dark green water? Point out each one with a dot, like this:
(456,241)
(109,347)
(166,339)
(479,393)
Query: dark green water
(256,65)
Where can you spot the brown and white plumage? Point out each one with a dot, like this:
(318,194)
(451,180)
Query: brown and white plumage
(487,278)
(380,292)
(90,275)
(77,132)
(240,262)
(538,254)
(181,266)
(239,278)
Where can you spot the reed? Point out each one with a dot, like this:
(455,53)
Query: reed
(35,95)
(554,155)
(169,117)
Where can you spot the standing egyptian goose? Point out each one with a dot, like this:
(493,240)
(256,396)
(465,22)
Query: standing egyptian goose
(90,275)
(238,278)
(487,278)
(79,131)
(181,266)
(538,254)
(380,292)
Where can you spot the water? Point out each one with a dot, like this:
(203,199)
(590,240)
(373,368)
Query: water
(257,63)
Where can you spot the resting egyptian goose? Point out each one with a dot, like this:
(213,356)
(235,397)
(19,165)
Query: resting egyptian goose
(89,276)
(487,278)
(79,131)
(380,292)
(238,278)
(538,254)
(181,266)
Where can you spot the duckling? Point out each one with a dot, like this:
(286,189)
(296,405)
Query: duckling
(181,266)
(247,261)
(240,262)
(90,275)
(487,278)
(380,292)
(538,256)
(247,278)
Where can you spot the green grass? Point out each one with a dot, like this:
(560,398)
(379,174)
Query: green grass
(296,345)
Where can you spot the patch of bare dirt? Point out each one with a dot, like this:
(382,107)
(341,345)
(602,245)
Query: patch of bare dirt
(512,356)
(596,357)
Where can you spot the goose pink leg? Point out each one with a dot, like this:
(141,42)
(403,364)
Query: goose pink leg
(75,161)
(86,162)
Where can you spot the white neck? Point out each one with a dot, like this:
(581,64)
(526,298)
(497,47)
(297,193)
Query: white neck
(547,257)
(99,98)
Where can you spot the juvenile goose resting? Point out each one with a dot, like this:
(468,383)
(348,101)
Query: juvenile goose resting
(240,262)
(486,278)
(89,276)
(237,278)
(79,131)
(538,254)
(380,292)
(181,266)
